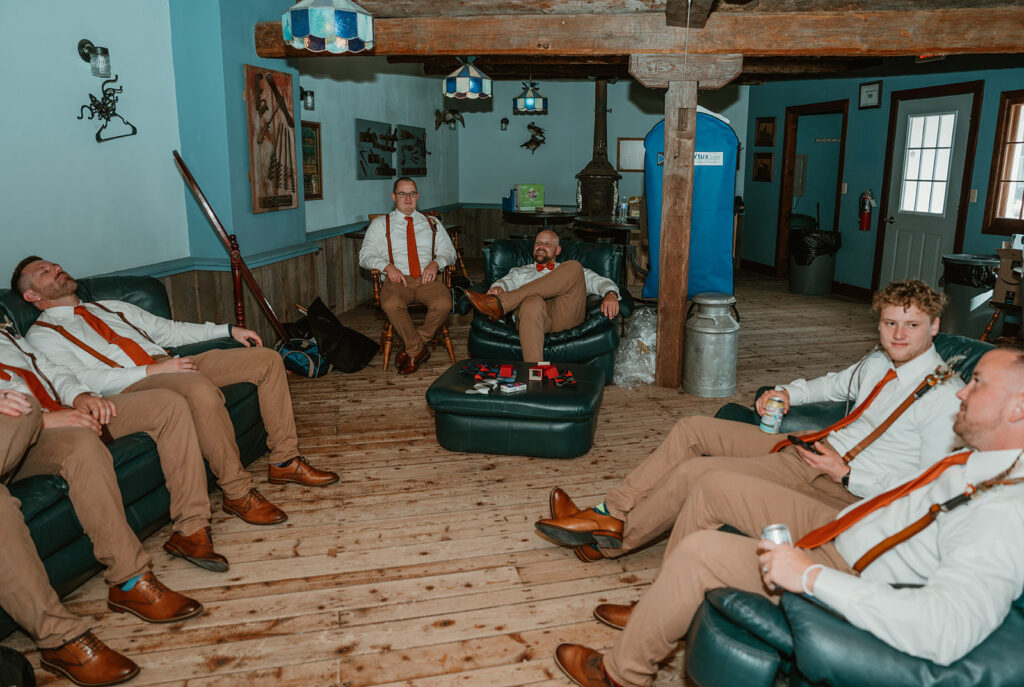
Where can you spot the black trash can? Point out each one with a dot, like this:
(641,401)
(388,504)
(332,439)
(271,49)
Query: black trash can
(812,257)
(968,280)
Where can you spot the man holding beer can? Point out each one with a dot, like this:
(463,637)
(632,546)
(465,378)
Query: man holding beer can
(954,530)
(893,430)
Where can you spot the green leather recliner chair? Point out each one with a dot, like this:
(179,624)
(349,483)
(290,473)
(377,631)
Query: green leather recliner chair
(739,638)
(594,342)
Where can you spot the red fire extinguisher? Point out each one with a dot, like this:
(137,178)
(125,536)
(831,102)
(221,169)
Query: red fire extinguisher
(867,202)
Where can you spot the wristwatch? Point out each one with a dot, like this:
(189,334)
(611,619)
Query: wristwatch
(845,481)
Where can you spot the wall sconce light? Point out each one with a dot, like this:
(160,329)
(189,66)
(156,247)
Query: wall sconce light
(307,98)
(97,57)
(504,123)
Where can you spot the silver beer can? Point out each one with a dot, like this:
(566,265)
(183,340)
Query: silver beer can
(777,533)
(774,409)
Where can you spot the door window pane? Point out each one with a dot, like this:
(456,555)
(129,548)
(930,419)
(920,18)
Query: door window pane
(928,151)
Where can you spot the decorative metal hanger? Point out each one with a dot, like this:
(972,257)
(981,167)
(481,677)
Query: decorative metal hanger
(106,109)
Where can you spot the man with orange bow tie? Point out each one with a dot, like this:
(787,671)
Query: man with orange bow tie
(546,296)
(955,531)
(898,423)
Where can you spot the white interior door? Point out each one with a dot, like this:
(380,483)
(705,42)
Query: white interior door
(926,177)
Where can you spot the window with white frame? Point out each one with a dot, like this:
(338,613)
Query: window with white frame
(926,163)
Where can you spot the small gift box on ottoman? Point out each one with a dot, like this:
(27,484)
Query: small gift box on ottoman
(546,420)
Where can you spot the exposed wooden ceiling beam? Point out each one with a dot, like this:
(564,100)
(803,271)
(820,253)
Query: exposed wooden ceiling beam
(693,14)
(709,71)
(949,32)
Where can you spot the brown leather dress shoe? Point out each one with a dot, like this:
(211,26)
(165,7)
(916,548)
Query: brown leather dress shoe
(585,527)
(255,509)
(88,661)
(583,666)
(415,362)
(587,553)
(561,505)
(153,601)
(487,304)
(401,359)
(197,548)
(614,615)
(300,472)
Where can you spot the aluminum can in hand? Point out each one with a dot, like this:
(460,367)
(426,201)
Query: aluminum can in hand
(771,421)
(777,533)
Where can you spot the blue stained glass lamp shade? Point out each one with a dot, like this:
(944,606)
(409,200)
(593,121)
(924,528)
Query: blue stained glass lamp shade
(336,26)
(530,101)
(467,82)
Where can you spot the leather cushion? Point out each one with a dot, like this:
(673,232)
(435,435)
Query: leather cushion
(722,654)
(756,614)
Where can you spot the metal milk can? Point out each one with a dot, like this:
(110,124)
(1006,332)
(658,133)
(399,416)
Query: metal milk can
(711,342)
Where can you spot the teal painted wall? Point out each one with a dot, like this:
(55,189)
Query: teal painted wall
(822,162)
(369,88)
(95,207)
(864,164)
(491,161)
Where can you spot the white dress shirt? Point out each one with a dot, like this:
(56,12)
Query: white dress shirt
(96,374)
(58,381)
(922,432)
(970,561)
(374,253)
(524,274)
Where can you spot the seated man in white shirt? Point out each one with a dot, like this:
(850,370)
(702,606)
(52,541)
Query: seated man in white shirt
(556,302)
(410,250)
(969,557)
(858,457)
(116,347)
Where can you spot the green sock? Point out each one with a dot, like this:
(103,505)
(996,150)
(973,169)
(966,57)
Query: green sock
(601,508)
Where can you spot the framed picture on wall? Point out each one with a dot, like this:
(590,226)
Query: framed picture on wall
(764,131)
(312,173)
(270,116)
(763,164)
(630,157)
(870,95)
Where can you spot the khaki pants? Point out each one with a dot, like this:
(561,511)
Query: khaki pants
(654,493)
(260,366)
(705,559)
(395,300)
(552,303)
(80,458)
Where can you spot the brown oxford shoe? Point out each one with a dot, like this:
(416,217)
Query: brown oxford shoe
(587,553)
(415,362)
(487,304)
(614,615)
(300,471)
(197,548)
(88,661)
(254,509)
(154,602)
(401,359)
(583,666)
(585,527)
(561,505)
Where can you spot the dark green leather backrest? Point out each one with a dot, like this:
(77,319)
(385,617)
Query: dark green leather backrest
(146,292)
(504,254)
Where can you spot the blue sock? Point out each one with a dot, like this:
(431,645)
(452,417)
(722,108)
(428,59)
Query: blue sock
(130,584)
(284,464)
(601,508)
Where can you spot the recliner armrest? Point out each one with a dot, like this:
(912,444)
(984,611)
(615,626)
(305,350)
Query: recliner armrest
(755,614)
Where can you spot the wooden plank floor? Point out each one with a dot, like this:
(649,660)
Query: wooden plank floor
(422,567)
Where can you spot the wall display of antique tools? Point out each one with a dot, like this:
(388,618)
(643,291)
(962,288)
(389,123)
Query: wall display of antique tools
(412,151)
(375,148)
(271,121)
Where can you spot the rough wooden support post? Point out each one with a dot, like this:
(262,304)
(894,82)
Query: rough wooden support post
(676,203)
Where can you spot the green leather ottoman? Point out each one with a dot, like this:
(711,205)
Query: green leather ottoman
(544,421)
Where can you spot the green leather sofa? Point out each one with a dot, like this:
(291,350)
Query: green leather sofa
(739,638)
(64,549)
(594,342)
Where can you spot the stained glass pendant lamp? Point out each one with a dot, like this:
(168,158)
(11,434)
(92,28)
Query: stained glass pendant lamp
(467,82)
(337,26)
(530,101)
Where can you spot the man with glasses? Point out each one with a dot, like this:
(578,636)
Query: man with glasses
(410,250)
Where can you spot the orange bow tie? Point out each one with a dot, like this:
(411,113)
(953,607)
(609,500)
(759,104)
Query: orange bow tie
(548,266)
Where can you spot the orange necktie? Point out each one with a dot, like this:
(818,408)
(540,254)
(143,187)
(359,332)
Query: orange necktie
(34,385)
(856,413)
(131,349)
(548,266)
(410,242)
(828,532)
